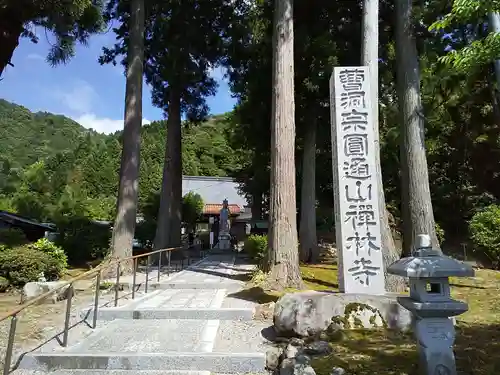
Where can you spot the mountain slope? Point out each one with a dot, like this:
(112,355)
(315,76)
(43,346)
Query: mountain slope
(26,137)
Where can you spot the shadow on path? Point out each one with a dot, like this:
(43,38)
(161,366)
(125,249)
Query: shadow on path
(238,277)
(255,294)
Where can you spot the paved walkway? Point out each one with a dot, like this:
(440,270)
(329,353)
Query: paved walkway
(186,323)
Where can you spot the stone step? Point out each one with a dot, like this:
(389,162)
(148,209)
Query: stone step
(174,344)
(228,363)
(118,372)
(185,284)
(109,372)
(178,304)
(211,313)
(211,273)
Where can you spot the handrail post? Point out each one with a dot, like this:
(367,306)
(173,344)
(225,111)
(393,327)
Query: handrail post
(117,286)
(134,278)
(96,299)
(68,314)
(168,262)
(147,275)
(10,345)
(159,265)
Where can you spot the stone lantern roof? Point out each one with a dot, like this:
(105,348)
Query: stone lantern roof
(429,263)
(430,266)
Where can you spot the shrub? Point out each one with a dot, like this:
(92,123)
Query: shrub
(145,232)
(11,237)
(83,240)
(484,229)
(440,233)
(50,248)
(4,284)
(192,208)
(23,264)
(256,246)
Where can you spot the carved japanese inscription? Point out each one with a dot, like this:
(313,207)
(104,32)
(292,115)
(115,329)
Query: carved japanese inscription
(355,185)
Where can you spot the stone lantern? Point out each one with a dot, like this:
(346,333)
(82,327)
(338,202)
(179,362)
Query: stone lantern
(430,302)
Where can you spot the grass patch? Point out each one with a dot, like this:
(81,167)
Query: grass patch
(477,346)
(366,352)
(320,276)
(315,276)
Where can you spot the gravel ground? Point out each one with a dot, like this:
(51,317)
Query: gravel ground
(242,337)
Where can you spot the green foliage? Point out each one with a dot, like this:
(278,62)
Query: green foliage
(440,233)
(50,248)
(478,53)
(82,239)
(4,284)
(145,232)
(20,265)
(256,247)
(26,137)
(483,49)
(10,237)
(192,208)
(178,61)
(74,181)
(69,21)
(485,232)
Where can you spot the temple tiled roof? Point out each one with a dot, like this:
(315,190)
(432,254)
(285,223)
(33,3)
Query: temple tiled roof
(213,190)
(214,209)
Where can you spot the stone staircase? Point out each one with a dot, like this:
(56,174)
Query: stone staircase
(186,324)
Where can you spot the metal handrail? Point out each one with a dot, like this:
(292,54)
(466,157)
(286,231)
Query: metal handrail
(70,292)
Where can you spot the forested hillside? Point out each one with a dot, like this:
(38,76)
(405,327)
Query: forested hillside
(25,137)
(70,176)
(51,161)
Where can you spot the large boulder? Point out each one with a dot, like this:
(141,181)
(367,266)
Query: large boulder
(309,313)
(34,289)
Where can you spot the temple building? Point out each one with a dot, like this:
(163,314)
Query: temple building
(213,191)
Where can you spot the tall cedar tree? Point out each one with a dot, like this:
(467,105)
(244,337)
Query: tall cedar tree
(124,225)
(416,203)
(370,58)
(184,41)
(283,257)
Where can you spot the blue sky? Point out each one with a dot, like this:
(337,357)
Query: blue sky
(83,90)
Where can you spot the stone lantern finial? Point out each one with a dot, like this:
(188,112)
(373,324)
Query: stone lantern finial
(423,241)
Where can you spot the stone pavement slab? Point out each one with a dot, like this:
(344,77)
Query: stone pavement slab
(179,304)
(149,336)
(213,362)
(214,272)
(112,372)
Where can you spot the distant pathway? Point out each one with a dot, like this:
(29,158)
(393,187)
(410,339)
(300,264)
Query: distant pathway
(186,323)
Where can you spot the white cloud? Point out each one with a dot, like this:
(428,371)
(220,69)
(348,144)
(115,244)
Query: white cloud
(78,98)
(102,125)
(35,56)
